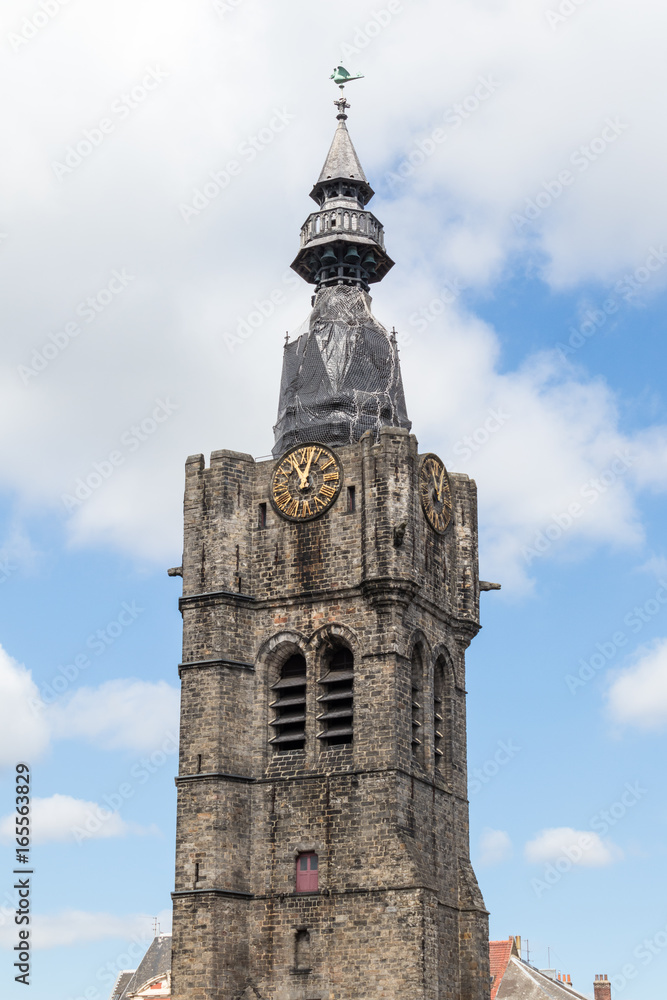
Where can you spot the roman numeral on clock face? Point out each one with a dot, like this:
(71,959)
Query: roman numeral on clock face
(435,493)
(306,482)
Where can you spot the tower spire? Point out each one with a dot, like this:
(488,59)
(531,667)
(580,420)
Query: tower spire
(342,376)
(342,243)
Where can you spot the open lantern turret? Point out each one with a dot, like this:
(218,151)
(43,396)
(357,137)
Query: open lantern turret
(342,243)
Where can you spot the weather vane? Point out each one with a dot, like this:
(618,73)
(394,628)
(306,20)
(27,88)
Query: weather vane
(340,76)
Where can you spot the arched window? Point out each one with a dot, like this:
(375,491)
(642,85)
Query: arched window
(337,698)
(307,866)
(290,705)
(417,695)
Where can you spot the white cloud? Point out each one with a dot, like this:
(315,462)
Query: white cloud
(163,334)
(23,733)
(61,818)
(555,473)
(122,714)
(495,847)
(638,695)
(580,847)
(656,565)
(74,927)
(119,714)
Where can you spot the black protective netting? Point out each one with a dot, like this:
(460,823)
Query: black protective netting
(341,377)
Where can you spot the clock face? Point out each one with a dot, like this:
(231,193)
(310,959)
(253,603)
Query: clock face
(306,482)
(435,493)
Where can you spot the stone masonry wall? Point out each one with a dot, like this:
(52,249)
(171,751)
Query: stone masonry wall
(398,913)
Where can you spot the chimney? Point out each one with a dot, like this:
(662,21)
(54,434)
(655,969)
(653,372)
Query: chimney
(517,944)
(602,988)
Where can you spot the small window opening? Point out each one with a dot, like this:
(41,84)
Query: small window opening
(262,515)
(439,715)
(417,707)
(307,873)
(198,763)
(196,873)
(351,500)
(302,949)
(338,699)
(290,705)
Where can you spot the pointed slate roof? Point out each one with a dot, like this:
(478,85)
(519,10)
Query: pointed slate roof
(342,160)
(120,984)
(522,982)
(156,961)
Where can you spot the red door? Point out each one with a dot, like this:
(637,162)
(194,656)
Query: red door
(306,873)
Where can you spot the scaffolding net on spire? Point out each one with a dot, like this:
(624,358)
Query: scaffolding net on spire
(341,375)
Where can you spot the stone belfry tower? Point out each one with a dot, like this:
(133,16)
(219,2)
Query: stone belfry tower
(329,596)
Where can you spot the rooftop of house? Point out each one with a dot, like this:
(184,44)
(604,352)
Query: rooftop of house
(156,962)
(514,979)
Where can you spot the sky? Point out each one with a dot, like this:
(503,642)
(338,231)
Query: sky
(155,175)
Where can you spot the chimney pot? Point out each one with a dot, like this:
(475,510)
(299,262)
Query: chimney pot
(602,987)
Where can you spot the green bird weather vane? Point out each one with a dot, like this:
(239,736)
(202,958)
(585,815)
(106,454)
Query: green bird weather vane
(340,77)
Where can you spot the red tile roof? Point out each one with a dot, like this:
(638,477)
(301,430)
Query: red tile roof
(499,956)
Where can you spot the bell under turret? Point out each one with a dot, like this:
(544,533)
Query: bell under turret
(342,243)
(341,377)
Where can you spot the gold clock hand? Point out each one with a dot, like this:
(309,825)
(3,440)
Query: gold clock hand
(442,480)
(295,466)
(304,480)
